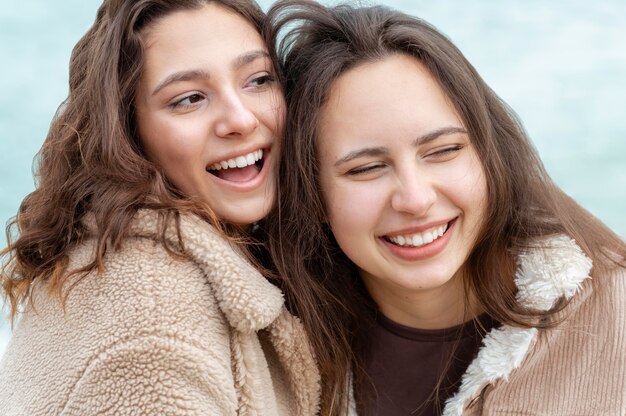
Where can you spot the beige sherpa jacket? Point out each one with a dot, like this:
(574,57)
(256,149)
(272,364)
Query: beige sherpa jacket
(155,335)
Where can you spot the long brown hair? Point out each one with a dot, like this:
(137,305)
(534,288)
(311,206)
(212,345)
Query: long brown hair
(91,160)
(315,45)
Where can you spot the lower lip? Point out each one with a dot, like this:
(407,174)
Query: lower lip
(250,185)
(422,252)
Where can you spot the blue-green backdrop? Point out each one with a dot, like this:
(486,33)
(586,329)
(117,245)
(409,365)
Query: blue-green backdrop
(560,64)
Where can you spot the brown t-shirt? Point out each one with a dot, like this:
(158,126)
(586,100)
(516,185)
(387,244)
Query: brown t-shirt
(404,366)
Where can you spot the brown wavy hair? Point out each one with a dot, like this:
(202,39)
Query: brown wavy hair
(92,160)
(315,45)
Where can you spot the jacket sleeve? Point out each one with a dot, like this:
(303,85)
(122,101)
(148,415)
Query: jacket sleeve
(154,375)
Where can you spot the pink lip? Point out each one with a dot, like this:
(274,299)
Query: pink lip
(424,252)
(250,185)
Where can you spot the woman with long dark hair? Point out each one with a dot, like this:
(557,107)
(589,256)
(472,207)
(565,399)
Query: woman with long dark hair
(435,265)
(129,269)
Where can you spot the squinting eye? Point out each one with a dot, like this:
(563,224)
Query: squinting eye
(447,151)
(364,169)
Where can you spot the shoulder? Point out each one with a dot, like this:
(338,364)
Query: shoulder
(606,302)
(572,366)
(148,319)
(211,279)
(141,289)
(142,286)
(575,365)
(589,332)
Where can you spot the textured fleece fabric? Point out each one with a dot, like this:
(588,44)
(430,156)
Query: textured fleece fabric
(157,335)
(576,368)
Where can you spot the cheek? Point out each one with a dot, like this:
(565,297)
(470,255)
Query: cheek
(353,208)
(481,202)
(346,222)
(272,113)
(477,182)
(338,211)
(174,152)
(280,109)
(174,141)
(465,182)
(473,191)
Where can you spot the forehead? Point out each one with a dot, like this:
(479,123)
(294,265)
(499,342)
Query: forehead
(186,20)
(395,97)
(211,35)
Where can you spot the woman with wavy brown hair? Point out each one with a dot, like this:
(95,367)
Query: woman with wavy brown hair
(129,269)
(434,264)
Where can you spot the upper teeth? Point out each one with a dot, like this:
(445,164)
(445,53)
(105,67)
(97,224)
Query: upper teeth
(419,239)
(239,161)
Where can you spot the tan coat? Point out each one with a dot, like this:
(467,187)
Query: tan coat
(577,368)
(154,335)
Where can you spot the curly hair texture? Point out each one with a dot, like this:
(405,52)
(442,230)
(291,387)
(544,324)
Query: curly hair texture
(315,45)
(91,160)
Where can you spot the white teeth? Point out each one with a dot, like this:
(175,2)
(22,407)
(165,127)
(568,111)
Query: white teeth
(419,239)
(239,161)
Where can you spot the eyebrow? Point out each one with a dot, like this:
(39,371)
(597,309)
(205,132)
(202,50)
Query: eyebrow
(377,151)
(443,131)
(249,57)
(191,75)
(198,74)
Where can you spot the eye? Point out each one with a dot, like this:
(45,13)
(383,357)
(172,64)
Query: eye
(364,170)
(187,101)
(445,153)
(262,81)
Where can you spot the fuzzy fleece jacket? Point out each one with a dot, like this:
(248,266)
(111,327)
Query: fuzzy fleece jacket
(156,335)
(577,368)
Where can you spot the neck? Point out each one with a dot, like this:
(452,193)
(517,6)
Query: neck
(434,308)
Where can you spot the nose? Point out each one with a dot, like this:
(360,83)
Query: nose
(235,118)
(415,193)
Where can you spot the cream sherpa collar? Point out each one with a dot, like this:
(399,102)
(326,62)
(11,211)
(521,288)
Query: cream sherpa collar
(554,269)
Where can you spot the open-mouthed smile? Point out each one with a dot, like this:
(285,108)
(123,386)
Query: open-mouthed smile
(239,169)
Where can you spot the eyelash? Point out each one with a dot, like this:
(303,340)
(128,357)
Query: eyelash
(266,79)
(369,168)
(179,103)
(364,169)
(261,82)
(447,150)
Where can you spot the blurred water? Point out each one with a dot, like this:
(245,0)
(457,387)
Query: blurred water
(560,64)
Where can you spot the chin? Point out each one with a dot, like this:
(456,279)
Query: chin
(243,219)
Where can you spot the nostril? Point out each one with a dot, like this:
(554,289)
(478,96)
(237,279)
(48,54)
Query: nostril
(234,125)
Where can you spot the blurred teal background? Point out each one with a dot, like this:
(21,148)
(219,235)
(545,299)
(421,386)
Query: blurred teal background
(560,64)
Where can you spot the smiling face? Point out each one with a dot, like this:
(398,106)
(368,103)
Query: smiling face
(404,189)
(209,111)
